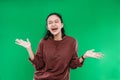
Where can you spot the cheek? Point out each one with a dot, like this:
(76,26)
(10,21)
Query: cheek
(59,29)
(48,27)
(60,26)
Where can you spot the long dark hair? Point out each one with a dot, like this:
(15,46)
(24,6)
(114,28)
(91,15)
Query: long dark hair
(48,33)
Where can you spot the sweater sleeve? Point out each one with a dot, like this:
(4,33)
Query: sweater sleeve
(38,61)
(74,63)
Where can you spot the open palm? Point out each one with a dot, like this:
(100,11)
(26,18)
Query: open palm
(23,43)
(92,54)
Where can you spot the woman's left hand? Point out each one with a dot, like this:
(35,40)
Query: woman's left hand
(92,54)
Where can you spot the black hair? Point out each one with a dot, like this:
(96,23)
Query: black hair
(48,33)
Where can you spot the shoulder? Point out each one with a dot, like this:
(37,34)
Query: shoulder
(70,38)
(72,41)
(42,41)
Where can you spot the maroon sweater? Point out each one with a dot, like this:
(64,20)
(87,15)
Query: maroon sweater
(54,59)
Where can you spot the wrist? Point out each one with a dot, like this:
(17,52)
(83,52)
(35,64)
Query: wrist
(84,56)
(29,48)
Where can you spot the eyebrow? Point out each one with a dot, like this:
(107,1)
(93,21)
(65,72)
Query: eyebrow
(54,20)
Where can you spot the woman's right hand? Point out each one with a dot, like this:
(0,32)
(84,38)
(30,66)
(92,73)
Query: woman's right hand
(25,44)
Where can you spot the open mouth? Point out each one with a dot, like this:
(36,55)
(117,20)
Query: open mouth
(54,29)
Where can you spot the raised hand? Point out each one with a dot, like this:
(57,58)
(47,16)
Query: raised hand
(25,44)
(92,54)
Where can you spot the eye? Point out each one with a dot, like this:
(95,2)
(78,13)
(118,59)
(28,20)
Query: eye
(50,22)
(56,21)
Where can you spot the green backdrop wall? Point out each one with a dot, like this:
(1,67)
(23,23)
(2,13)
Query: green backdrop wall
(94,23)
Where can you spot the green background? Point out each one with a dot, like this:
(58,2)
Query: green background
(94,23)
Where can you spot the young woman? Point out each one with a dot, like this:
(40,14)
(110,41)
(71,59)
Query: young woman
(56,53)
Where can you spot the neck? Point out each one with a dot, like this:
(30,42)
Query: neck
(58,36)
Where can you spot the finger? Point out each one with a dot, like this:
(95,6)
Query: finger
(92,50)
(102,55)
(28,40)
(17,40)
(18,43)
(99,55)
(22,41)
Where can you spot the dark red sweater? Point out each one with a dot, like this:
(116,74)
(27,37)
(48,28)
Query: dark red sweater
(54,59)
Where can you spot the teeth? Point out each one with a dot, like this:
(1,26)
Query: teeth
(54,28)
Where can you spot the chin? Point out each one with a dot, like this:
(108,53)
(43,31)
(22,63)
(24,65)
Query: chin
(54,34)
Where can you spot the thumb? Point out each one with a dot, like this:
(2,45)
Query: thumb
(92,50)
(28,40)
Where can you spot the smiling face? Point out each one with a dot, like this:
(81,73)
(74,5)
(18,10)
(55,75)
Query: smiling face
(54,25)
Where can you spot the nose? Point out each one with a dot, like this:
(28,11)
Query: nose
(53,24)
